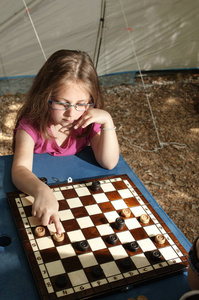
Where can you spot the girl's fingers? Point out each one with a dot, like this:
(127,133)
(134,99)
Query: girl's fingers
(45,219)
(56,221)
(84,122)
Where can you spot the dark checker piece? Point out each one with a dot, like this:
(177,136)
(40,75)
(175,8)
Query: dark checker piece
(61,281)
(156,255)
(133,246)
(44,179)
(83,245)
(112,239)
(119,223)
(97,272)
(95,185)
(126,263)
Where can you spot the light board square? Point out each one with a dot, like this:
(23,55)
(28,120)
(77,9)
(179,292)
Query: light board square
(105,229)
(152,230)
(74,202)
(168,253)
(110,269)
(125,237)
(87,260)
(97,244)
(83,191)
(111,216)
(76,236)
(77,277)
(55,268)
(53,230)
(45,243)
(146,245)
(107,187)
(119,204)
(66,251)
(93,209)
(33,221)
(125,193)
(118,252)
(132,223)
(58,195)
(85,222)
(65,215)
(140,260)
(100,198)
(27,200)
(137,211)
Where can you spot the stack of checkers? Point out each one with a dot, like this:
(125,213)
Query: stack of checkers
(112,238)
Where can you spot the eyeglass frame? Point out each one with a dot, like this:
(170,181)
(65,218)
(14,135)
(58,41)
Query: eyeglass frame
(68,105)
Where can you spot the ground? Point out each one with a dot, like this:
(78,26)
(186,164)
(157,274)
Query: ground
(158,130)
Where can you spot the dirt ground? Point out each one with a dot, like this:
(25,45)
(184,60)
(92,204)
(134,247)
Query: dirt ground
(157,121)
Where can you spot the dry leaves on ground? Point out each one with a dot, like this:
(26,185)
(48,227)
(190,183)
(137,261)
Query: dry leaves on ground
(158,131)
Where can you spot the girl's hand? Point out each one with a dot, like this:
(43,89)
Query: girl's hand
(104,144)
(94,115)
(45,208)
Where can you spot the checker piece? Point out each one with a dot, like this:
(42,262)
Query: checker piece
(133,246)
(156,255)
(61,281)
(160,239)
(40,231)
(58,237)
(119,223)
(112,239)
(97,272)
(126,263)
(126,212)
(83,245)
(144,218)
(95,185)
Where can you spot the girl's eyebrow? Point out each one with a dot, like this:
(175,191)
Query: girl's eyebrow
(68,101)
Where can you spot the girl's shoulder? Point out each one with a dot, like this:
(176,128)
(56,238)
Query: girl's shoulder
(27,126)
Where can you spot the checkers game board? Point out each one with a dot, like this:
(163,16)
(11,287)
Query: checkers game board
(104,250)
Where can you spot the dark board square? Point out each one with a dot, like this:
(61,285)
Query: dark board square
(87,200)
(102,256)
(79,212)
(70,193)
(99,219)
(106,206)
(139,233)
(90,232)
(63,205)
(114,195)
(70,225)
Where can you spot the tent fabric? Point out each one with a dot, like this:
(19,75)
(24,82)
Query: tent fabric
(162,34)
(165,35)
(60,24)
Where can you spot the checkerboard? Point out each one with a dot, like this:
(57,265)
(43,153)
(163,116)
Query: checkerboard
(63,271)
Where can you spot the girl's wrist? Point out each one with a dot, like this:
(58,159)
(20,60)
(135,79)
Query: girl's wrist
(108,128)
(108,125)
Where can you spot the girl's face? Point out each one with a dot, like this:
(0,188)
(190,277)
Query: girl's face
(72,94)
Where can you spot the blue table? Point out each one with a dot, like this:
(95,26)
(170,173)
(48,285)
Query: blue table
(16,281)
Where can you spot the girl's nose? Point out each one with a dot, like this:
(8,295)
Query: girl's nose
(70,111)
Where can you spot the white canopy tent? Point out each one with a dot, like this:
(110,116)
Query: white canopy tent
(119,35)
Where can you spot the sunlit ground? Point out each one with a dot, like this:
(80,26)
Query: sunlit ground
(171,174)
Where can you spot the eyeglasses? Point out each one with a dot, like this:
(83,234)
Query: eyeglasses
(64,105)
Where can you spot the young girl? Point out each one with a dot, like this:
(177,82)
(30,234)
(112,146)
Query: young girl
(63,114)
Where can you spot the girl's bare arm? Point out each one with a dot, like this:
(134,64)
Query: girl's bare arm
(45,206)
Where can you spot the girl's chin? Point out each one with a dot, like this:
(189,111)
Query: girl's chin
(70,122)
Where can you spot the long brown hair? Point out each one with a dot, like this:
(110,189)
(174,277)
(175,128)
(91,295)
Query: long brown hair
(61,68)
